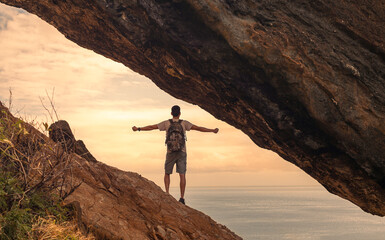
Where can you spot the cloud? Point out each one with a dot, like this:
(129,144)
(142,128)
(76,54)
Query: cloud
(6,15)
(35,57)
(102,100)
(4,21)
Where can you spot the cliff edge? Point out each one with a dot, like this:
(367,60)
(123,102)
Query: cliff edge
(109,203)
(115,204)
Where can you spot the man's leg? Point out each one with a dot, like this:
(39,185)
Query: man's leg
(168,167)
(167,182)
(182,184)
(181,169)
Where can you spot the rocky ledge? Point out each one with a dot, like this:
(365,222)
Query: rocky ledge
(109,203)
(305,79)
(115,204)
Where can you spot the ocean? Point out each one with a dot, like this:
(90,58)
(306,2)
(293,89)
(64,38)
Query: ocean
(275,213)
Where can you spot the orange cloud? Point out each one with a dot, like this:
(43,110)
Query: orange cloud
(102,100)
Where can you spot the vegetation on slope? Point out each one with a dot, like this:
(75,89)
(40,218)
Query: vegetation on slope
(30,189)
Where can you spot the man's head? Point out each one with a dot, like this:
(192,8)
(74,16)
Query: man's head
(175,111)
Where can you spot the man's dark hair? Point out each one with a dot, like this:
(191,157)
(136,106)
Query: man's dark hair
(175,111)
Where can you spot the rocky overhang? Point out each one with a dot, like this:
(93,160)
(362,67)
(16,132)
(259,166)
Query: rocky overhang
(305,79)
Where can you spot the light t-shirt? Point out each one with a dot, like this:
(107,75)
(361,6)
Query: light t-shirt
(186,125)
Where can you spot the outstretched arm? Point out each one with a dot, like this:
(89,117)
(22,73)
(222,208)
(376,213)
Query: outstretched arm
(203,129)
(146,128)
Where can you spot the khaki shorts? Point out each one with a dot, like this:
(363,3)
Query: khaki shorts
(178,158)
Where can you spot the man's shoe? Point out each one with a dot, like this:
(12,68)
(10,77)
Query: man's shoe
(181,200)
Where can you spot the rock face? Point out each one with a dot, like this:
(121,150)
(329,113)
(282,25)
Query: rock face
(305,79)
(110,203)
(114,204)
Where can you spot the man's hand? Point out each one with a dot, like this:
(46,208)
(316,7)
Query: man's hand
(146,128)
(203,129)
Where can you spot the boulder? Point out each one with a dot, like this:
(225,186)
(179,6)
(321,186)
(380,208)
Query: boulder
(60,132)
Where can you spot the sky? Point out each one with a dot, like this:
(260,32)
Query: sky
(102,100)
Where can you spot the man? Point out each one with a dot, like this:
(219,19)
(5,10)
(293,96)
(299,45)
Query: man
(176,148)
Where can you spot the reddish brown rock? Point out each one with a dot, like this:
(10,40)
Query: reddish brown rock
(60,132)
(115,204)
(110,203)
(305,79)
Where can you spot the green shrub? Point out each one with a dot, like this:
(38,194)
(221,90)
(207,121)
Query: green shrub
(21,206)
(19,211)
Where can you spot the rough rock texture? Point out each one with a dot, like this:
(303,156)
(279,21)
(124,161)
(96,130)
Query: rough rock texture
(114,204)
(305,79)
(110,203)
(60,132)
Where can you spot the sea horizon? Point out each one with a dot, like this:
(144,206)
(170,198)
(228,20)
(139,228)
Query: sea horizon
(284,212)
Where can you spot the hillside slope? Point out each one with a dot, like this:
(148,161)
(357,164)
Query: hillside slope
(109,203)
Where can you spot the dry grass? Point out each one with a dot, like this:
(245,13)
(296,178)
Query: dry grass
(38,162)
(49,229)
(37,166)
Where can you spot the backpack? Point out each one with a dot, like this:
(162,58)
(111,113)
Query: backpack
(175,138)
